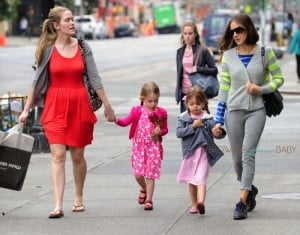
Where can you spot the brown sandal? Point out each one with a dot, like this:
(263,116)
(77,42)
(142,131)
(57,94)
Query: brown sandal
(78,208)
(148,205)
(201,208)
(142,199)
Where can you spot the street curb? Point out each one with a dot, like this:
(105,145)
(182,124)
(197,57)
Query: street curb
(290,92)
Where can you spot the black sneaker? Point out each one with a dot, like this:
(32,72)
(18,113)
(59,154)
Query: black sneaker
(251,202)
(240,211)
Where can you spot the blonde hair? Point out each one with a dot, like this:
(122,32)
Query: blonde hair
(199,95)
(148,89)
(49,33)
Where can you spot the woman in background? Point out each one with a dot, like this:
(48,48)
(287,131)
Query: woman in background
(185,61)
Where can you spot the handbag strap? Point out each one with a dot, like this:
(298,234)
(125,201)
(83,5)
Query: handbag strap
(263,60)
(263,57)
(82,50)
(198,55)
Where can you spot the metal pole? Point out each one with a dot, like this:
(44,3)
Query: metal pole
(284,11)
(262,22)
(37,131)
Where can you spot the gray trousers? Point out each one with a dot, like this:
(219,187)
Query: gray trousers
(244,130)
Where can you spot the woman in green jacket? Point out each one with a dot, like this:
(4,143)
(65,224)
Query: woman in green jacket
(244,79)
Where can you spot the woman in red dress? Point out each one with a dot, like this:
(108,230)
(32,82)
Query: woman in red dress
(68,118)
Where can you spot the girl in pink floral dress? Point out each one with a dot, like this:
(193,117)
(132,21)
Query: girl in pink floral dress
(148,125)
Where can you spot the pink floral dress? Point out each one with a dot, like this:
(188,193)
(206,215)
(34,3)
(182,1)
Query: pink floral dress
(146,152)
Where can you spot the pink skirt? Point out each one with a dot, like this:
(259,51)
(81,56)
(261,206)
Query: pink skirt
(195,168)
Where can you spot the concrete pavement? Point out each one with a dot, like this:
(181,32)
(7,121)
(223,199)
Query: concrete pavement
(111,193)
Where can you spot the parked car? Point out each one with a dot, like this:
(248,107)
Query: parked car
(213,28)
(101,30)
(85,26)
(127,29)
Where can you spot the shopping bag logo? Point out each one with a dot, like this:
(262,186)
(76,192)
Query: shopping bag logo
(13,167)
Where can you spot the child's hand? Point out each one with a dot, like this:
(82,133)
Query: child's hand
(197,123)
(156,132)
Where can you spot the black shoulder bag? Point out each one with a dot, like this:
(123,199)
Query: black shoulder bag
(273,101)
(95,101)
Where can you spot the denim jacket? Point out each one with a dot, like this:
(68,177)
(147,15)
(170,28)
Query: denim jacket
(198,137)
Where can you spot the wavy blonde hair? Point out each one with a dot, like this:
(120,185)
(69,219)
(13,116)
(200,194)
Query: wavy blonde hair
(49,33)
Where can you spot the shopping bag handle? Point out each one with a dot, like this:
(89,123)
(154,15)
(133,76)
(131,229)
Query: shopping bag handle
(16,129)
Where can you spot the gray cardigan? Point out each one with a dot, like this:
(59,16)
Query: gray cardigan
(41,80)
(200,137)
(235,75)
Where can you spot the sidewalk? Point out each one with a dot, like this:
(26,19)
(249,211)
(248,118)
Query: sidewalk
(111,192)
(291,85)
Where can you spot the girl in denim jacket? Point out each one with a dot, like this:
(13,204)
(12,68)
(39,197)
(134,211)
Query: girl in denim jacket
(200,153)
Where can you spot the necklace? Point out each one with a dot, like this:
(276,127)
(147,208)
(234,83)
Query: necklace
(64,45)
(246,50)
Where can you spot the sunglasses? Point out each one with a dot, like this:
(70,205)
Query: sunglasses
(237,30)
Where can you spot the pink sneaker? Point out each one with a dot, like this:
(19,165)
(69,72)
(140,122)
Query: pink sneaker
(193,210)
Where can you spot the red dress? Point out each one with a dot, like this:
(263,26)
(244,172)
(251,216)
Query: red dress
(67,118)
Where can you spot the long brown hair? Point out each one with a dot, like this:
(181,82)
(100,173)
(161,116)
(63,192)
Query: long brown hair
(49,33)
(252,38)
(199,95)
(195,29)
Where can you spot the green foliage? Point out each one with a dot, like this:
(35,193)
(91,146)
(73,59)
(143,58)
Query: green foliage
(8,9)
(89,5)
(67,3)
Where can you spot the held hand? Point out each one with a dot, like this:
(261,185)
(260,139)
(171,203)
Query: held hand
(253,88)
(23,117)
(217,130)
(109,114)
